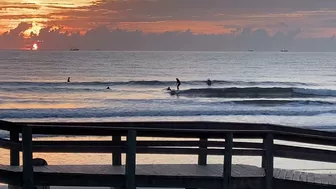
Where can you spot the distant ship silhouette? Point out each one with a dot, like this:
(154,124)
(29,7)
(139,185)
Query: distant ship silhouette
(284,50)
(74,49)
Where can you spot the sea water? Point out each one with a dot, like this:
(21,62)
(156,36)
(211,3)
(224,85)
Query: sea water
(295,89)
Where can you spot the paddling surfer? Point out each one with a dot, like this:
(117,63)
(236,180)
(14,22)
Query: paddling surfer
(68,79)
(209,82)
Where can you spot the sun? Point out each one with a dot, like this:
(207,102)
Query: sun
(34,47)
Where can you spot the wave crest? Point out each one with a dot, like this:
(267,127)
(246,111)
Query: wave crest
(256,92)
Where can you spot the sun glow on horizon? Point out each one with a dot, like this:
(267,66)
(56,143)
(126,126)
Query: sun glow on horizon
(35,47)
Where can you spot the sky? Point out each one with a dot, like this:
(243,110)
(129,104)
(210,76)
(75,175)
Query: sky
(168,24)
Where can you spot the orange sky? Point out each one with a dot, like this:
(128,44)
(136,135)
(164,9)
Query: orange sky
(201,16)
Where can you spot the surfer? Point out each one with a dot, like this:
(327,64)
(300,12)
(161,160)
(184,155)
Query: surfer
(108,88)
(208,82)
(68,79)
(178,83)
(168,89)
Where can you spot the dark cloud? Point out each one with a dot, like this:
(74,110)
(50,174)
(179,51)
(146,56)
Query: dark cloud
(284,15)
(103,38)
(14,39)
(23,26)
(207,9)
(189,7)
(281,15)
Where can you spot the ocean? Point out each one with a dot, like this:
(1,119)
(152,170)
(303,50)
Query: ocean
(295,89)
(287,88)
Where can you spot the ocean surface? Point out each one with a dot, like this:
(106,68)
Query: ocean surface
(295,89)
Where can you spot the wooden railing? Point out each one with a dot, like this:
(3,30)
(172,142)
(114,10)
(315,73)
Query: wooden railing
(204,144)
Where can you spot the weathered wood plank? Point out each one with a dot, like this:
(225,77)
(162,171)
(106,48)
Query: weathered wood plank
(205,125)
(14,153)
(311,177)
(10,126)
(332,180)
(276,173)
(116,156)
(210,170)
(202,156)
(211,130)
(305,153)
(318,178)
(282,174)
(303,177)
(268,161)
(325,179)
(141,149)
(184,172)
(296,176)
(289,175)
(9,144)
(130,160)
(27,158)
(248,170)
(150,143)
(227,161)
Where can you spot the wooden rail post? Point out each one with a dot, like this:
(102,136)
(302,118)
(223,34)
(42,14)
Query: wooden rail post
(227,161)
(268,160)
(202,156)
(27,158)
(116,156)
(130,160)
(14,153)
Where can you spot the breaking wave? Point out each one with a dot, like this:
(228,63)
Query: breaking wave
(256,92)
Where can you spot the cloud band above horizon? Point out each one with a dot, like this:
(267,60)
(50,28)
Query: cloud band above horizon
(313,18)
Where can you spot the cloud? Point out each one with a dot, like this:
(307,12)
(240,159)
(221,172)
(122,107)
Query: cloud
(23,26)
(159,16)
(6,6)
(14,39)
(178,15)
(102,38)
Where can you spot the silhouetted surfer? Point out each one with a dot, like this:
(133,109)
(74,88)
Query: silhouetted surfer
(68,79)
(168,89)
(208,82)
(108,88)
(178,83)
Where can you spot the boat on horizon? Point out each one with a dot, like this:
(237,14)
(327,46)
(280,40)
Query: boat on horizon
(284,50)
(74,49)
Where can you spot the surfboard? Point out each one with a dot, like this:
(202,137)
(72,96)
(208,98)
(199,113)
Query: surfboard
(173,92)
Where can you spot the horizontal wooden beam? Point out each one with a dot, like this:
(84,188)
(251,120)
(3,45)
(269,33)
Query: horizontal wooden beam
(149,143)
(199,125)
(177,129)
(304,139)
(7,144)
(141,150)
(303,153)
